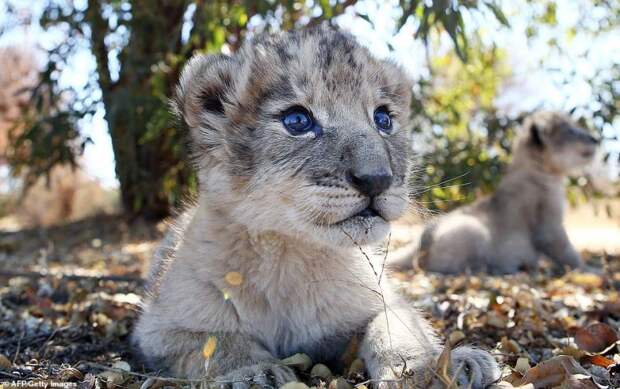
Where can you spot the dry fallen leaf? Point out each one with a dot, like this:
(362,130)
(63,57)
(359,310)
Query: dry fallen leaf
(234,278)
(455,337)
(552,372)
(5,364)
(578,381)
(600,360)
(596,337)
(209,347)
(510,346)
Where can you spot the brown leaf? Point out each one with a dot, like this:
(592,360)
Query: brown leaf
(552,372)
(510,346)
(5,364)
(601,361)
(596,337)
(578,381)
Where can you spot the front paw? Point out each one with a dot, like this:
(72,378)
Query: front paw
(473,368)
(264,375)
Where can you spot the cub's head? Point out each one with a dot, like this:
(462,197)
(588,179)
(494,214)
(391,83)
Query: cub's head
(557,142)
(302,133)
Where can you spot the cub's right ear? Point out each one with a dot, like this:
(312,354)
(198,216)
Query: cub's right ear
(205,88)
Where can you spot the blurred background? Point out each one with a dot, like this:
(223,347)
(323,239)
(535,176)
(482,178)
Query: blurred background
(85,126)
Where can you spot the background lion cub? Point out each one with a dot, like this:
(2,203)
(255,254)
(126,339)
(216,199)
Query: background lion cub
(523,219)
(301,148)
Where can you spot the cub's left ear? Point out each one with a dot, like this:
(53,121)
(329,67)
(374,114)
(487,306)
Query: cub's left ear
(205,89)
(535,136)
(531,133)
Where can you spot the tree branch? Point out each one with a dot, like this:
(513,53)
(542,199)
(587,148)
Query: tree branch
(99,30)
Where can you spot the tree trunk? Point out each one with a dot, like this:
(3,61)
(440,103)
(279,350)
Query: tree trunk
(142,165)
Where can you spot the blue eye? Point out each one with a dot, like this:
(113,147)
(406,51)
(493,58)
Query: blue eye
(297,121)
(383,120)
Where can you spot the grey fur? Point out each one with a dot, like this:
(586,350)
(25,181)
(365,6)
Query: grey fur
(276,211)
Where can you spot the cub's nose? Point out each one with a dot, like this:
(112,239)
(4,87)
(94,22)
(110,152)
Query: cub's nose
(371,184)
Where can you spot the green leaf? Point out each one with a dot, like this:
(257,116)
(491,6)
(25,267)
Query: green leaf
(499,14)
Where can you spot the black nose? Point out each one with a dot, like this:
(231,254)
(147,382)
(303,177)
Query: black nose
(371,184)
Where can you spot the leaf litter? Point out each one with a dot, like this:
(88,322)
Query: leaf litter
(67,307)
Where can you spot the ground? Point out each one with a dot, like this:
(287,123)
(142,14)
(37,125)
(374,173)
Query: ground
(69,297)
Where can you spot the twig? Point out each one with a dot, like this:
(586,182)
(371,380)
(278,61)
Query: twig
(7,374)
(49,338)
(387,250)
(19,344)
(385,306)
(69,277)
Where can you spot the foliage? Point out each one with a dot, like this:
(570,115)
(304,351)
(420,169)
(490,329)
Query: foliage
(447,16)
(457,114)
(454,111)
(140,48)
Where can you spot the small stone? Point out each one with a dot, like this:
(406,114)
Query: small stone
(321,371)
(522,365)
(510,346)
(455,337)
(113,379)
(121,365)
(5,364)
(298,361)
(294,385)
(496,320)
(340,383)
(357,368)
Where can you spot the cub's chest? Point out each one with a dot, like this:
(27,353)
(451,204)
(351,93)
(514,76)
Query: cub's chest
(294,304)
(318,317)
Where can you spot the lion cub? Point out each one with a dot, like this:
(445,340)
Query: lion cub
(301,148)
(523,219)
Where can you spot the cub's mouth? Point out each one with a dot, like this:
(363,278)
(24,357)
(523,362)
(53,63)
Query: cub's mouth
(367,215)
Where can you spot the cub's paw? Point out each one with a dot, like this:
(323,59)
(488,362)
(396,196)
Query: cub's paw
(474,368)
(264,375)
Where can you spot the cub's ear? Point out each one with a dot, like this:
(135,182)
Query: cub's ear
(205,88)
(535,136)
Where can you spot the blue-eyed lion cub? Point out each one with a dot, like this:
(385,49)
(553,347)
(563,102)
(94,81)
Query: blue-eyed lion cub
(301,150)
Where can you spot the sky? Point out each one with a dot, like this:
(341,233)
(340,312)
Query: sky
(532,85)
